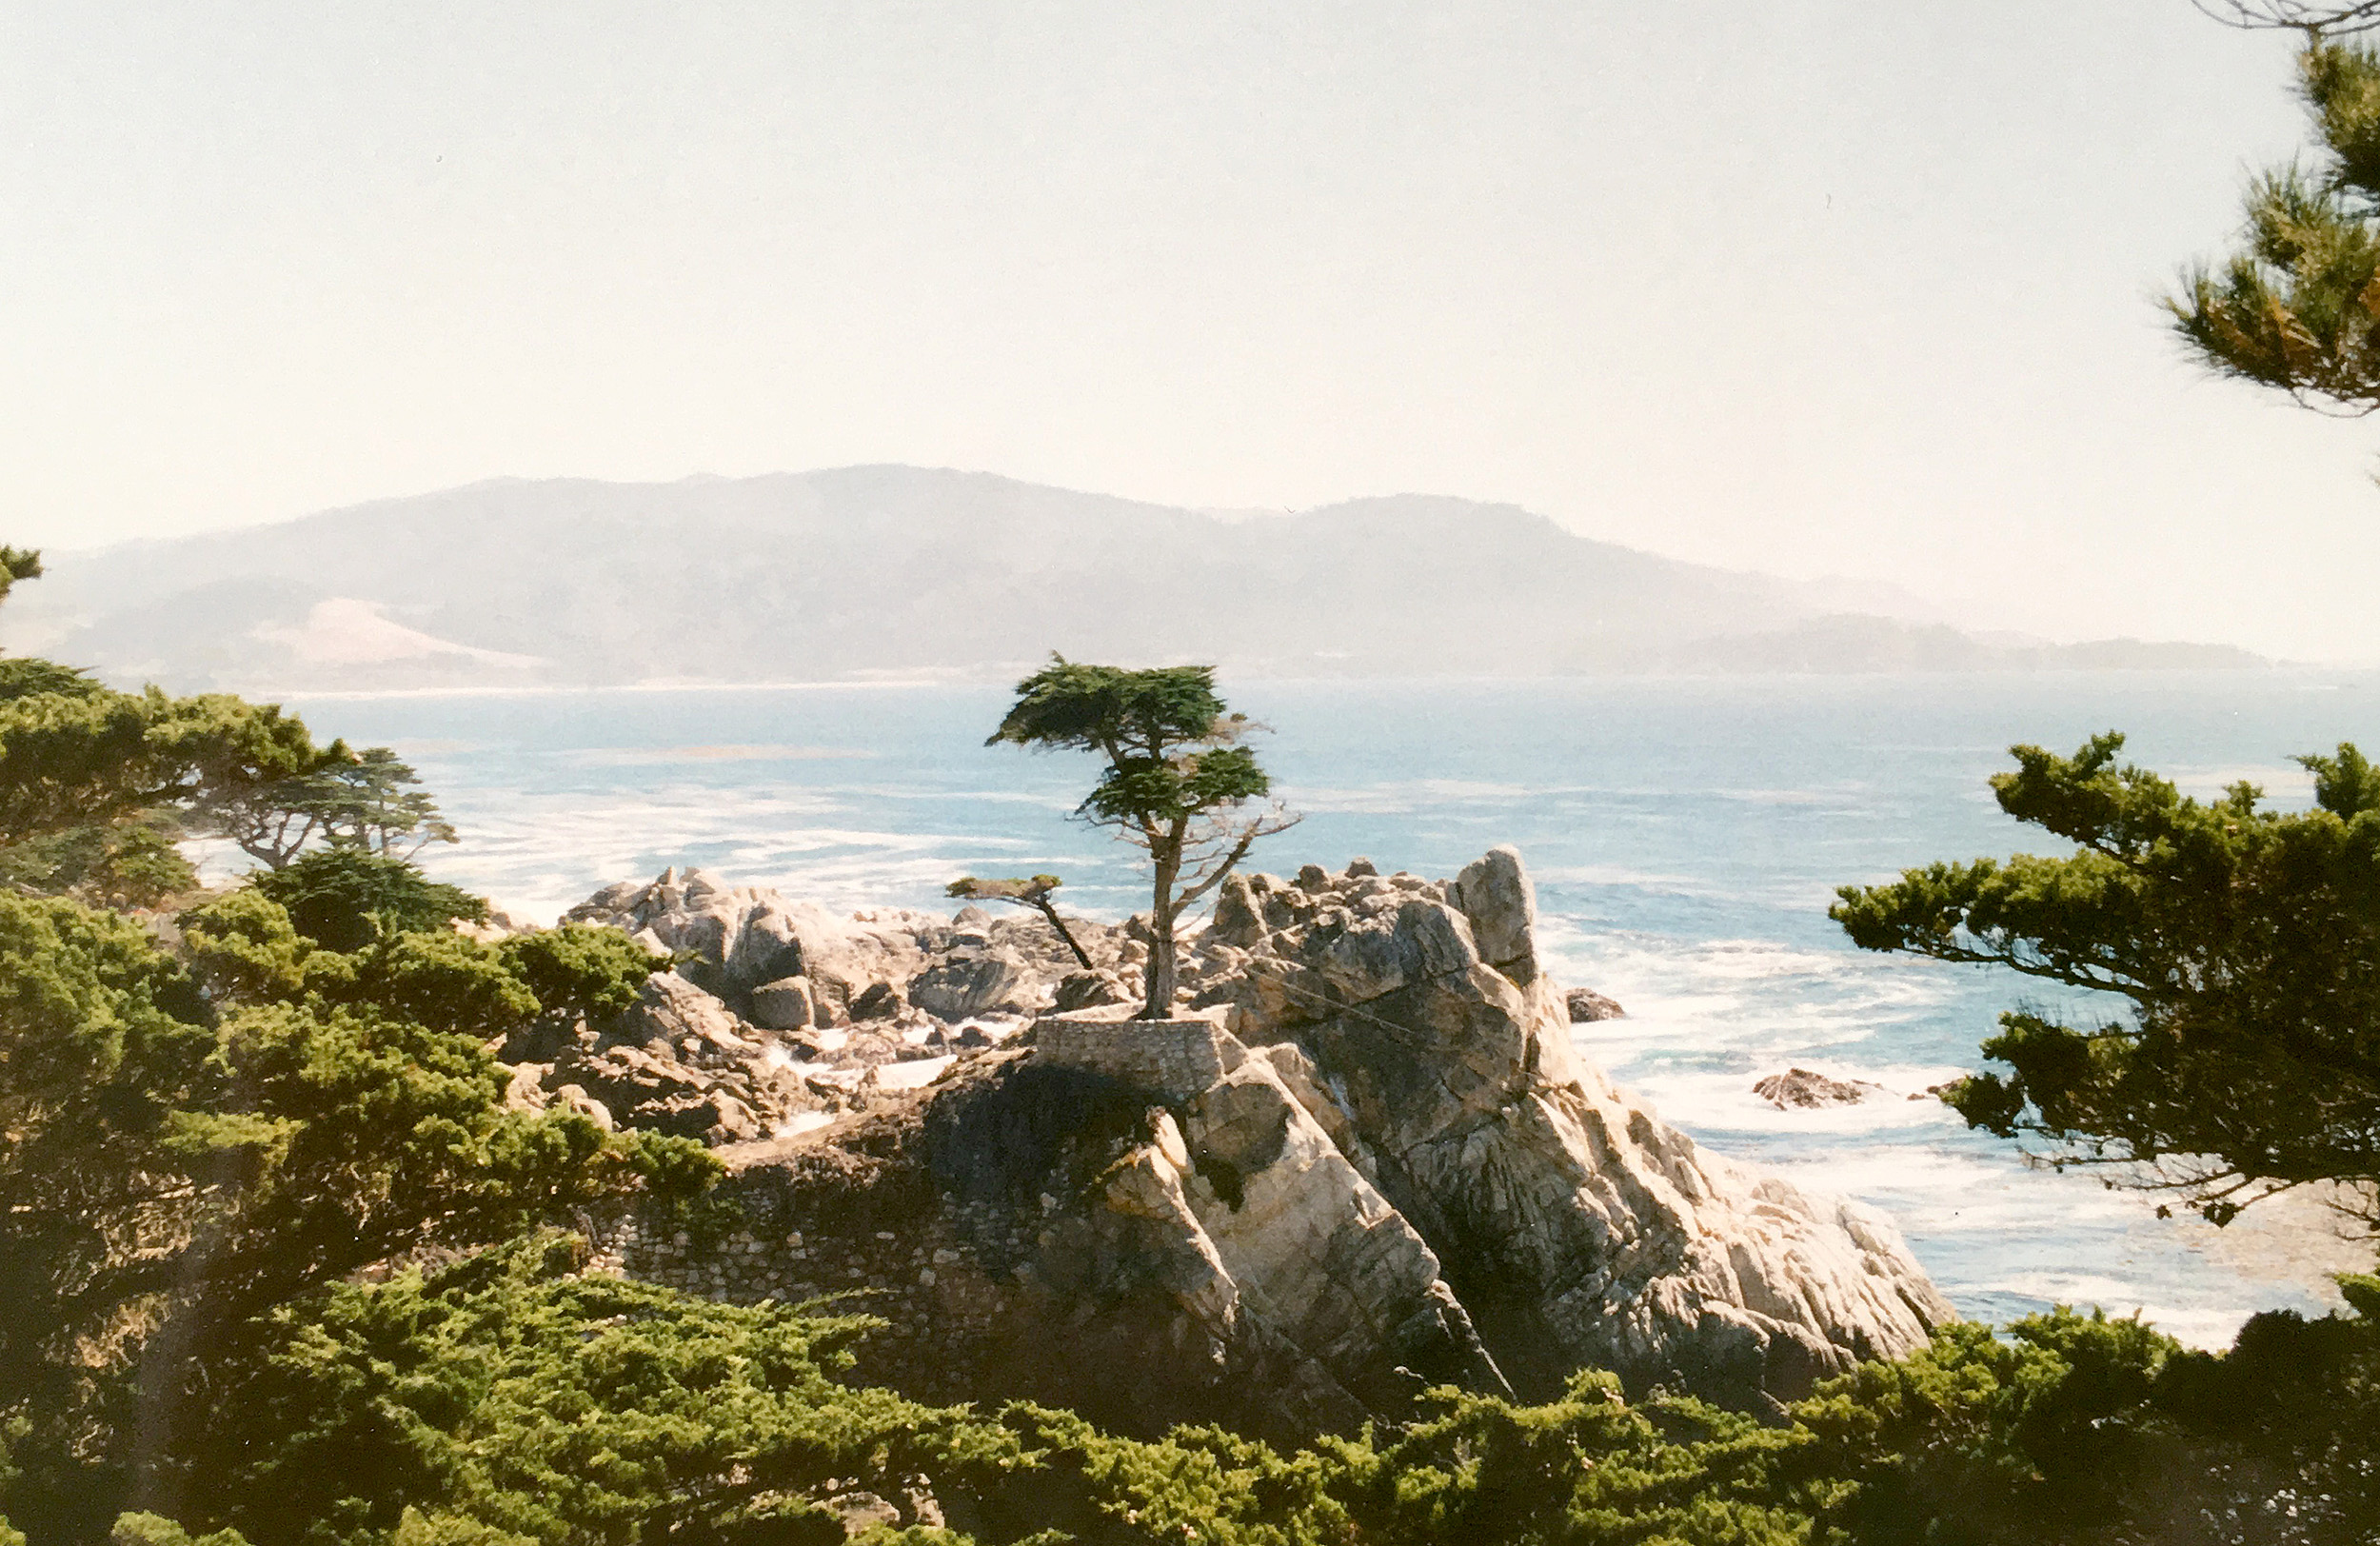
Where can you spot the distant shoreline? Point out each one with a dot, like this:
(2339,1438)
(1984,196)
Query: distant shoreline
(2130,673)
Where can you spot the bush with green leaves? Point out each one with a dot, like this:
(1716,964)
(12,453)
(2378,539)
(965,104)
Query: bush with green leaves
(189,1147)
(515,1394)
(579,969)
(344,898)
(127,863)
(512,1397)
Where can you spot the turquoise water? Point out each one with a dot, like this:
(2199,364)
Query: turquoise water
(1685,837)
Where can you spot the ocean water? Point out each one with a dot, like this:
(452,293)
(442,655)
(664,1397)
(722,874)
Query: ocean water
(1685,835)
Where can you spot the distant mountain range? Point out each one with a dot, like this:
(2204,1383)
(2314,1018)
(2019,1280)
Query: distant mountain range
(895,571)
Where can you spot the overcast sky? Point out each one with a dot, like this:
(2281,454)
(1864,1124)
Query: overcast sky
(1817,288)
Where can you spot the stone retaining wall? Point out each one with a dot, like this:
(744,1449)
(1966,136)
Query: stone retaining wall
(945,1296)
(1175,1058)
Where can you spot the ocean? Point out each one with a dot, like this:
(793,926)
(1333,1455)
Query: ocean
(1685,836)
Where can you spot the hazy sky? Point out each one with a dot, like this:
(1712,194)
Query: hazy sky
(1817,288)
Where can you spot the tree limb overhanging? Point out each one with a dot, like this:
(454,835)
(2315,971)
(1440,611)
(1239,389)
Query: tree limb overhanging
(2295,306)
(2244,941)
(2294,15)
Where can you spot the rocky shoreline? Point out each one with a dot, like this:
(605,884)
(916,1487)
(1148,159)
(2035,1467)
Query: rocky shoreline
(1361,1161)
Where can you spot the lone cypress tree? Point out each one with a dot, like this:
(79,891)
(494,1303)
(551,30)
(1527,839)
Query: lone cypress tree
(1177,783)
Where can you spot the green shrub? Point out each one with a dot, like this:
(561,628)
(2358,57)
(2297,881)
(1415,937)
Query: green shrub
(581,970)
(508,1399)
(345,898)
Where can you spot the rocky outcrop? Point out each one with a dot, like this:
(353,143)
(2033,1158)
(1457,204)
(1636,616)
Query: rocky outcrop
(1586,1005)
(1801,1089)
(780,1015)
(1578,1228)
(1362,1160)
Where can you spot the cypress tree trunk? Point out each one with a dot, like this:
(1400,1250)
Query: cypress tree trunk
(1049,911)
(1160,974)
(1161,1004)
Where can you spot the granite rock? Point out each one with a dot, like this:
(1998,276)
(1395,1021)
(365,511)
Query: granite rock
(1363,1158)
(1586,1006)
(1579,1228)
(1801,1089)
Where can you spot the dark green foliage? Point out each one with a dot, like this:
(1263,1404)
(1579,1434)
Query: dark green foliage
(509,1393)
(17,564)
(1165,732)
(445,982)
(155,1530)
(345,898)
(130,863)
(75,754)
(1588,1467)
(92,781)
(2244,941)
(2297,307)
(1979,1439)
(1177,783)
(241,947)
(1111,709)
(581,970)
(188,1149)
(97,1050)
(27,676)
(244,947)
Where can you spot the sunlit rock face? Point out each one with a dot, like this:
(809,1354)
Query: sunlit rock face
(1577,1228)
(1362,1160)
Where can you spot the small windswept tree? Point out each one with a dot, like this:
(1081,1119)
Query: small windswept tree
(95,784)
(1034,892)
(1178,781)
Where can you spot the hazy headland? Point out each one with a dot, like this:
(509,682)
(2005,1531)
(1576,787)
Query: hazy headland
(869,573)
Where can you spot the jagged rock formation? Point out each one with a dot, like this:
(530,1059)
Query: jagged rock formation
(1578,1228)
(1363,1160)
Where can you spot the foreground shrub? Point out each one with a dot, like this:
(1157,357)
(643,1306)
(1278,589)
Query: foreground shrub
(345,898)
(184,1151)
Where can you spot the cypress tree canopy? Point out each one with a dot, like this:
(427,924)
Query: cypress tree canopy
(2296,304)
(2243,942)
